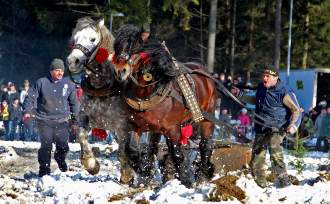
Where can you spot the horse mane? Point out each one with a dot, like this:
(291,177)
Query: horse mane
(107,39)
(160,59)
(106,36)
(82,23)
(127,35)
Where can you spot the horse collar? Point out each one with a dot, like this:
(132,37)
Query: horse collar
(156,98)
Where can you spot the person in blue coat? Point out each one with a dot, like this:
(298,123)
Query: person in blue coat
(54,101)
(279,113)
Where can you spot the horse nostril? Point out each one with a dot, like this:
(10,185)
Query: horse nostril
(77,61)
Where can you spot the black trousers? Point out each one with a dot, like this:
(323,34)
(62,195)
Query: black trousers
(52,132)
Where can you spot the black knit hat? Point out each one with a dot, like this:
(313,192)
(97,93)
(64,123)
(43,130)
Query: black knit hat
(271,70)
(56,64)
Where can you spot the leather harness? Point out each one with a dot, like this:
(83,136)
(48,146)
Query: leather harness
(147,104)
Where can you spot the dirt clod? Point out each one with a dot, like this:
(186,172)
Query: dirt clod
(226,189)
(272,178)
(130,194)
(142,201)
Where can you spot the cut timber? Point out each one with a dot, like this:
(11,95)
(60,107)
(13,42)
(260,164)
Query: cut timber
(231,157)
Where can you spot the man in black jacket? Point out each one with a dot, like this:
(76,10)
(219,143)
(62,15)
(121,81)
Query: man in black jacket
(55,102)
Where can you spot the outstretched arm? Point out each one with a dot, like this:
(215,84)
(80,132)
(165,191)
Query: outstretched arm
(290,101)
(242,96)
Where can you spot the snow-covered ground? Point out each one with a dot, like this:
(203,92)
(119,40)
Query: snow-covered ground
(19,185)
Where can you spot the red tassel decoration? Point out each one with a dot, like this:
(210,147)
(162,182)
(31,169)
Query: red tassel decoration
(186,133)
(144,57)
(99,133)
(102,55)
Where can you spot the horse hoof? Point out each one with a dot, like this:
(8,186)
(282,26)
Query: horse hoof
(126,176)
(96,151)
(91,165)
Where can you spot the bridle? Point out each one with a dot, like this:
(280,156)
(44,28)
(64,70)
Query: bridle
(133,61)
(84,50)
(90,57)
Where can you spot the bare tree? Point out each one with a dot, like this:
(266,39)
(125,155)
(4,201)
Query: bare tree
(306,41)
(233,37)
(277,54)
(251,47)
(212,34)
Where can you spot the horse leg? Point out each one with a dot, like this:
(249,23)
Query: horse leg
(132,150)
(87,157)
(140,151)
(206,148)
(148,151)
(166,164)
(183,160)
(126,173)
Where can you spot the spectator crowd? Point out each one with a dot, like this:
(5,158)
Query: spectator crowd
(15,127)
(315,123)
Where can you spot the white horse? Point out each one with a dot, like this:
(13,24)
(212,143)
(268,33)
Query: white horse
(102,107)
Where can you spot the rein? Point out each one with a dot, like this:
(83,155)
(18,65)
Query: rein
(223,89)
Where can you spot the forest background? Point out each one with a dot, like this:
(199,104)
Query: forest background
(248,34)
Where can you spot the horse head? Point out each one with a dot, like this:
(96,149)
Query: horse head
(92,47)
(134,54)
(127,48)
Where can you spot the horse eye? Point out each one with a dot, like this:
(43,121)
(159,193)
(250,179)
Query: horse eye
(93,39)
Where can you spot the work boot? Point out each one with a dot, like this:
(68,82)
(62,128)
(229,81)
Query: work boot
(283,181)
(43,171)
(62,166)
(60,159)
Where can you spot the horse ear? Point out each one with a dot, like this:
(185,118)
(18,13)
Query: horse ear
(101,22)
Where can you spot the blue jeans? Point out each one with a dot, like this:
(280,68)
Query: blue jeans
(6,126)
(28,133)
(12,127)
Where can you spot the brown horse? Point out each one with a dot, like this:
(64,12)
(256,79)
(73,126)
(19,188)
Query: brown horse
(155,99)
